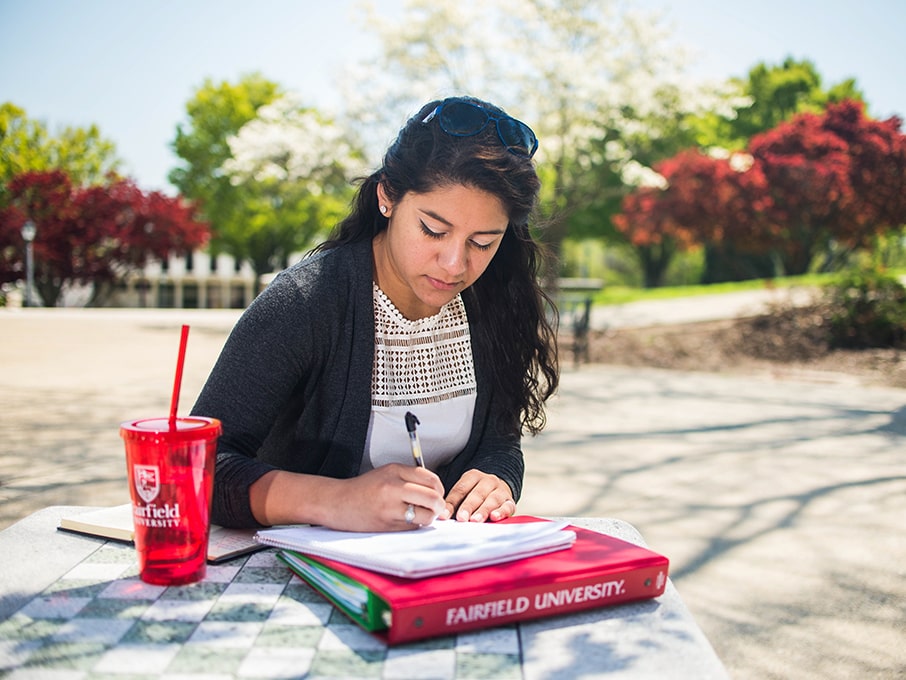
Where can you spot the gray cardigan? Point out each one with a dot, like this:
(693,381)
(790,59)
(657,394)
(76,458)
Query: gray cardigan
(292,386)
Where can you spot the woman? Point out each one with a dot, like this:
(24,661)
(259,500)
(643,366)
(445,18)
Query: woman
(424,300)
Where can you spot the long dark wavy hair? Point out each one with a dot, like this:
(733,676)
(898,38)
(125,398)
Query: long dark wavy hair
(513,330)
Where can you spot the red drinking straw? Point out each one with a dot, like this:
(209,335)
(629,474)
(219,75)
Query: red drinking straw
(177,383)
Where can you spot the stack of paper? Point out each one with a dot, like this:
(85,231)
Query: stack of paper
(443,547)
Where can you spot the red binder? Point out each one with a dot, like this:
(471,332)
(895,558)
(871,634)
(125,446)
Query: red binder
(597,571)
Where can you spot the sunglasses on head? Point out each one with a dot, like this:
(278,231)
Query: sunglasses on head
(463,119)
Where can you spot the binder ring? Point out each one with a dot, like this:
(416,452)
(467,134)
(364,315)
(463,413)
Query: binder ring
(410,514)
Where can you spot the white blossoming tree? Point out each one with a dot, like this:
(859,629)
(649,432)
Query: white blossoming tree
(592,77)
(293,167)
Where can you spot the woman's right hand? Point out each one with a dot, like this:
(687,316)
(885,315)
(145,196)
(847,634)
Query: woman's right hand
(375,501)
(378,500)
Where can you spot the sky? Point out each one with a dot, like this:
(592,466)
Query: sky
(130,66)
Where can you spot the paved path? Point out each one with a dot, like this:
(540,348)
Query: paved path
(696,308)
(780,503)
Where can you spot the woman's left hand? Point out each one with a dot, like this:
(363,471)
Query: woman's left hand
(478,496)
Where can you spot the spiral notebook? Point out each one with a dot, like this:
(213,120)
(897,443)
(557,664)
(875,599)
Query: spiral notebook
(443,547)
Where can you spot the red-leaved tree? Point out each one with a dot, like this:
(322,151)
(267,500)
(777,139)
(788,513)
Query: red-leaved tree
(92,235)
(808,172)
(877,171)
(816,183)
(707,200)
(836,179)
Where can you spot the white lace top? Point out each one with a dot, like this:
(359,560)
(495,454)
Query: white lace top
(423,366)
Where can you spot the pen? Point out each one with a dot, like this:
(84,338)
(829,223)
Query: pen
(411,422)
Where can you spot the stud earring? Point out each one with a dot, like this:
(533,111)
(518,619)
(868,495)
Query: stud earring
(383,210)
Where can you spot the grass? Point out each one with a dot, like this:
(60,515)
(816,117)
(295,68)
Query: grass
(616,295)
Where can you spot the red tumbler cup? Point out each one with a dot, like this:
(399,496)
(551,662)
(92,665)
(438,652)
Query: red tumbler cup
(171,474)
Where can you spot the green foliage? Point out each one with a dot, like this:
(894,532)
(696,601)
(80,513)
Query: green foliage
(618,265)
(888,251)
(270,174)
(686,268)
(595,259)
(277,221)
(293,167)
(216,112)
(867,308)
(623,158)
(778,93)
(773,94)
(665,132)
(620,294)
(21,143)
(26,145)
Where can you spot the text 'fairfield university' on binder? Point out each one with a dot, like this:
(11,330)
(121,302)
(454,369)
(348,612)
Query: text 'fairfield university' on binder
(596,571)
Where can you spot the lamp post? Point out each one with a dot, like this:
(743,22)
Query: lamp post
(28,235)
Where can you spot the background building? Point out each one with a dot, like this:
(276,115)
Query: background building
(194,281)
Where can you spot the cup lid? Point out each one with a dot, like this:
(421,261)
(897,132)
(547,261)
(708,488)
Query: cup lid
(182,429)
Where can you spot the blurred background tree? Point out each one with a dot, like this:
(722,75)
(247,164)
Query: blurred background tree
(292,168)
(26,145)
(812,189)
(93,227)
(271,175)
(836,181)
(216,112)
(771,94)
(705,199)
(779,92)
(90,235)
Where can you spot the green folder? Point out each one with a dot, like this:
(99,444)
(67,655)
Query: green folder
(351,597)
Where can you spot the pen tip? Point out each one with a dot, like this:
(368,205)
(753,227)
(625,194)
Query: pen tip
(411,421)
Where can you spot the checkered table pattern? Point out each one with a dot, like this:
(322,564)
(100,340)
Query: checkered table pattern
(248,618)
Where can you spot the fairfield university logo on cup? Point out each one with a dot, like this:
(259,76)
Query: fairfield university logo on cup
(147,481)
(147,485)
